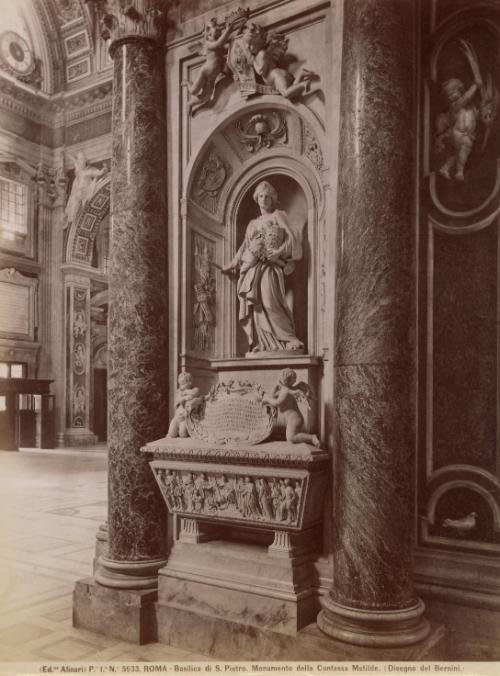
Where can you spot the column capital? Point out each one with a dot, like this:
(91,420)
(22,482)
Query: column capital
(133,19)
(51,183)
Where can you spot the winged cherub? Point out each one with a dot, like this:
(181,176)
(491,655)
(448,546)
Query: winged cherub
(216,37)
(285,396)
(187,398)
(456,129)
(268,62)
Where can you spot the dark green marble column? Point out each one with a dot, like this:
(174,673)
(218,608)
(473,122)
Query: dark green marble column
(138,294)
(372,600)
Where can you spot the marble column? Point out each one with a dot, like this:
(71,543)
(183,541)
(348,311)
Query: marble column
(51,182)
(119,600)
(372,601)
(138,294)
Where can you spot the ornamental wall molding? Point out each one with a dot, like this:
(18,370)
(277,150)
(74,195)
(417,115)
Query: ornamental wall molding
(255,55)
(48,19)
(9,100)
(262,130)
(56,111)
(265,454)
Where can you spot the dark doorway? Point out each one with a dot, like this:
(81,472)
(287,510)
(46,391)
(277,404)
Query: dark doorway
(100,404)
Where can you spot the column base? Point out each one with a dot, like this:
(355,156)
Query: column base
(79,437)
(135,575)
(192,531)
(128,615)
(242,583)
(374,628)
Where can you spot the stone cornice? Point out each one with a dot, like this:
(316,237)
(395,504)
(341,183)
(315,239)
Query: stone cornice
(58,110)
(119,21)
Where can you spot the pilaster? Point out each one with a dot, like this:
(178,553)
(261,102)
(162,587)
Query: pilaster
(77,342)
(51,195)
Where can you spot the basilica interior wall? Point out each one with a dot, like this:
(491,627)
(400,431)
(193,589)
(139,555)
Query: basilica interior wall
(458,300)
(49,115)
(217,153)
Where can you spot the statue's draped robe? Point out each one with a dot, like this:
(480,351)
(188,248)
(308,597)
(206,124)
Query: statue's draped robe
(264,312)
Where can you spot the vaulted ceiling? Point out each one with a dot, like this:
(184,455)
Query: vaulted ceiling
(51,46)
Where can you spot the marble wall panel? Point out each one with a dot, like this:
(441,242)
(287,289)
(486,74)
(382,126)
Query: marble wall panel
(372,469)
(465,301)
(138,297)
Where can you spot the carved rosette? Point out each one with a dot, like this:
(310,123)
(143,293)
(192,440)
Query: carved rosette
(134,19)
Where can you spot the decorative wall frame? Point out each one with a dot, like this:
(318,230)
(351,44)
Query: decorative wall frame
(76,44)
(240,168)
(78,69)
(18,305)
(459,468)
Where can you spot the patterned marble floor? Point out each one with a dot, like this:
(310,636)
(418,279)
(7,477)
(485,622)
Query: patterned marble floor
(51,504)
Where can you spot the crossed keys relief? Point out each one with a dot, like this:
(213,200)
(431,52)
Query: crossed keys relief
(253,55)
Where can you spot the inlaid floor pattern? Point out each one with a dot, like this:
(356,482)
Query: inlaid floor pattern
(51,504)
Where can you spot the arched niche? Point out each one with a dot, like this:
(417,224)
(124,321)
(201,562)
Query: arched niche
(293,201)
(220,182)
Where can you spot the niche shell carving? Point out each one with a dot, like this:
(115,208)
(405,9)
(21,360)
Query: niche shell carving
(233,412)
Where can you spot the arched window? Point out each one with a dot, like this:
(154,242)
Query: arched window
(14,216)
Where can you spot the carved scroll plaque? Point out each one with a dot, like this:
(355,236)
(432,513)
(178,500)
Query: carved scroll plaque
(232,413)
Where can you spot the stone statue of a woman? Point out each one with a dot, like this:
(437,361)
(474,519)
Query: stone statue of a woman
(262,261)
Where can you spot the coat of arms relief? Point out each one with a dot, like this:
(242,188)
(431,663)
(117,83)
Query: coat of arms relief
(253,55)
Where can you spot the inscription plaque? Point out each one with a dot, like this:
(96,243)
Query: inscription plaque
(232,412)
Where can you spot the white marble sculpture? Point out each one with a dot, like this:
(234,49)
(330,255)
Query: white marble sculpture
(83,187)
(186,398)
(285,396)
(457,128)
(262,261)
